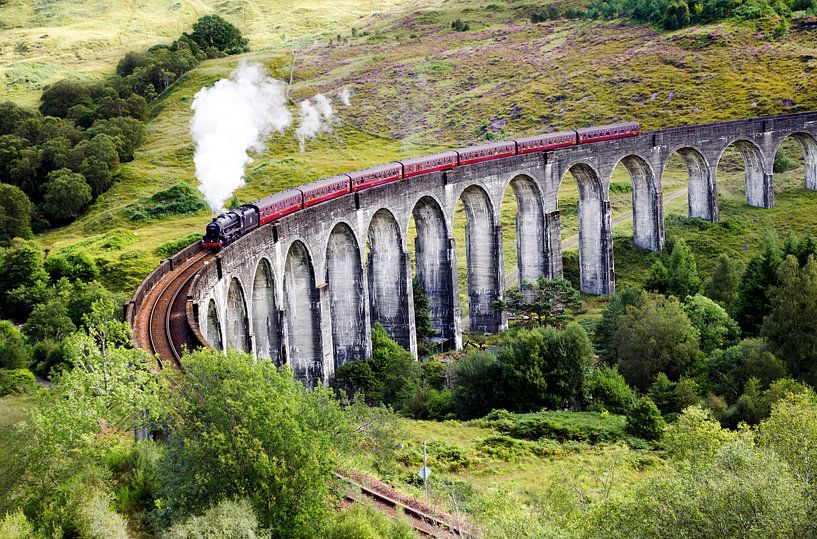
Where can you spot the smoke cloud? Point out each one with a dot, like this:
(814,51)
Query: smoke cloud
(315,118)
(345,96)
(232,118)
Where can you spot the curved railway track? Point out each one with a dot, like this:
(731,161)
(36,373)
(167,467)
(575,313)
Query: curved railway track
(168,333)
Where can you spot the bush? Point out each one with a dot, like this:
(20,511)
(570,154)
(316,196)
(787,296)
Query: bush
(609,389)
(14,351)
(364,522)
(213,31)
(16,381)
(170,248)
(561,426)
(48,358)
(545,367)
(715,328)
(257,433)
(180,199)
(644,420)
(228,518)
(672,397)
(477,385)
(15,525)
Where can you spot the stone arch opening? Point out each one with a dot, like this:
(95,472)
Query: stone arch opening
(593,236)
(808,147)
(344,274)
(265,316)
(434,257)
(527,252)
(238,329)
(389,278)
(212,331)
(482,257)
(303,318)
(646,222)
(758,184)
(702,201)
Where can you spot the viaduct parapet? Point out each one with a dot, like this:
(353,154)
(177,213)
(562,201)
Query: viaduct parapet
(306,291)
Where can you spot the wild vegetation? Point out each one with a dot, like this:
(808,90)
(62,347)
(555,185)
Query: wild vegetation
(678,406)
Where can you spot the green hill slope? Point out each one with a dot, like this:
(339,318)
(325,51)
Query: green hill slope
(418,85)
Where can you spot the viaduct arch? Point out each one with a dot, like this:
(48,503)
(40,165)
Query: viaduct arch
(305,291)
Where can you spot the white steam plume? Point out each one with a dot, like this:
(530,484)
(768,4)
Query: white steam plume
(315,118)
(231,118)
(345,96)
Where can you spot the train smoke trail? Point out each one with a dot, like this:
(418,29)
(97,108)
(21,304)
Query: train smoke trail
(232,118)
(315,118)
(345,96)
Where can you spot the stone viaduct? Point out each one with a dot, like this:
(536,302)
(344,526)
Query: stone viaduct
(306,290)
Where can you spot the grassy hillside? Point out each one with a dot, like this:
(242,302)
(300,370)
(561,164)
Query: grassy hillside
(42,41)
(418,86)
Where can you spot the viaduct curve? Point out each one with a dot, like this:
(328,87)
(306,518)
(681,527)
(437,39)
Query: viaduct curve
(306,290)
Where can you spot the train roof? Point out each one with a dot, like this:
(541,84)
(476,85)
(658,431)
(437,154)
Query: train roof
(541,136)
(379,168)
(424,158)
(607,126)
(276,197)
(331,180)
(487,146)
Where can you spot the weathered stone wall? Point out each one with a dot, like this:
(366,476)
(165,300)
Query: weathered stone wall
(306,290)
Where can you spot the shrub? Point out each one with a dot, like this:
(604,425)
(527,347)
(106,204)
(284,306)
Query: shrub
(545,367)
(644,420)
(14,351)
(16,381)
(228,518)
(170,248)
(715,328)
(609,389)
(477,385)
(364,522)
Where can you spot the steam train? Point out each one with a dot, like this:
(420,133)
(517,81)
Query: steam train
(229,226)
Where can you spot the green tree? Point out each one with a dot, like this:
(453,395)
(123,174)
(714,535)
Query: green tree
(656,337)
(21,265)
(385,378)
(49,321)
(74,265)
(644,419)
(15,214)
(423,328)
(96,159)
(723,287)
(683,272)
(760,275)
(57,98)
(545,367)
(127,134)
(676,15)
(714,325)
(696,437)
(67,194)
(548,302)
(19,163)
(477,387)
(726,372)
(658,279)
(608,388)
(791,326)
(244,428)
(608,326)
(791,432)
(14,351)
(213,31)
(672,397)
(742,491)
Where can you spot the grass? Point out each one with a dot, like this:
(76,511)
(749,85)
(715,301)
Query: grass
(471,459)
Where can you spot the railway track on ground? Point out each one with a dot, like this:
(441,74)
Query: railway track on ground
(422,518)
(165,332)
